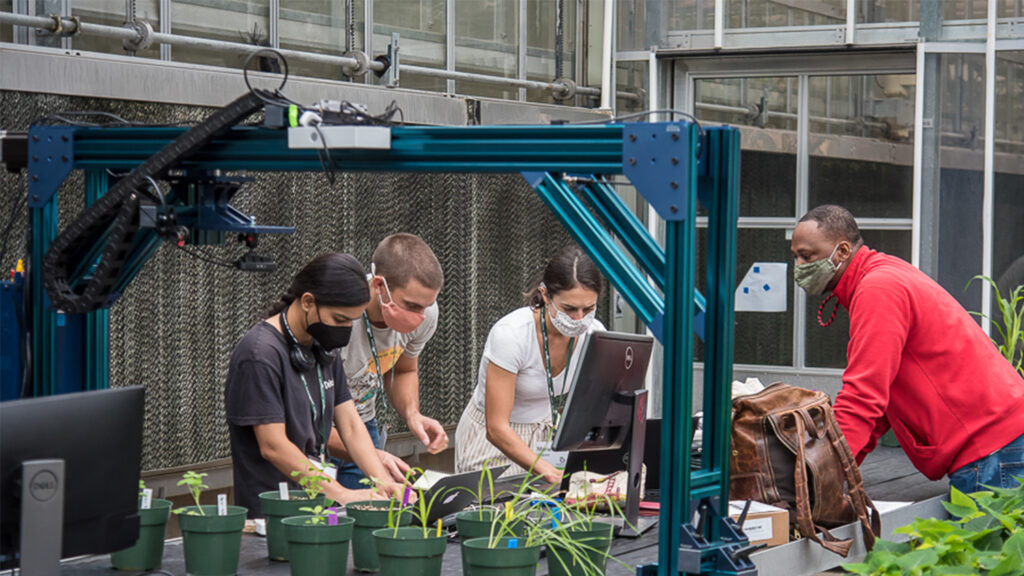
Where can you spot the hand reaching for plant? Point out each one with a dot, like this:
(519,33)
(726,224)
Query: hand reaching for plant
(430,432)
(395,466)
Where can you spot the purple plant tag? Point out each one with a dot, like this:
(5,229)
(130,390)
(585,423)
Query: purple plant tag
(332,517)
(405,496)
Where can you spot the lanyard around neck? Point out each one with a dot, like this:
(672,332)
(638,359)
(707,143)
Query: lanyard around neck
(376,359)
(547,367)
(324,430)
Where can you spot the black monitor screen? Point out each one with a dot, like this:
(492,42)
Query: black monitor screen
(98,434)
(597,414)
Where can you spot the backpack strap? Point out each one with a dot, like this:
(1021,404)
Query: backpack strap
(804,519)
(862,504)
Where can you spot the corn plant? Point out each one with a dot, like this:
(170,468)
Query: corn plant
(420,509)
(1011,327)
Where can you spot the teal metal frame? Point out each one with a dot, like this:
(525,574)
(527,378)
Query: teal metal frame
(671,164)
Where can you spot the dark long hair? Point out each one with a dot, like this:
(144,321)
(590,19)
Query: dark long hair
(334,279)
(568,268)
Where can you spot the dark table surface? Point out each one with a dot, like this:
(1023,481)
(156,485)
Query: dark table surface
(887,474)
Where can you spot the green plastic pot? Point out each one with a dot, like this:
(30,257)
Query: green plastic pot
(500,560)
(274,510)
(212,543)
(369,516)
(148,551)
(406,552)
(477,524)
(598,537)
(316,549)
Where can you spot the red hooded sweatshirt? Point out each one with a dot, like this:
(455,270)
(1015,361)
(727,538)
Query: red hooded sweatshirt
(918,362)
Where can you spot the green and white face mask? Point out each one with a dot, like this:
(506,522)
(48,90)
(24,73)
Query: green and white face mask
(814,277)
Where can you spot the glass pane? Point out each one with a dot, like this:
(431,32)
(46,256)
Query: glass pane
(316,26)
(112,13)
(888,10)
(630,20)
(547,58)
(764,13)
(486,42)
(421,25)
(861,144)
(632,80)
(6,30)
(768,169)
(760,337)
(235,21)
(1010,9)
(962,129)
(826,347)
(691,15)
(1008,185)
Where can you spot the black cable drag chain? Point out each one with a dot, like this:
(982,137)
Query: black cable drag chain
(116,214)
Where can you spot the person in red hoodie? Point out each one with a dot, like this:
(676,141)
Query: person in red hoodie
(917,362)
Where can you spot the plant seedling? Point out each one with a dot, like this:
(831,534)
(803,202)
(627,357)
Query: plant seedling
(1011,330)
(194,481)
(420,510)
(312,483)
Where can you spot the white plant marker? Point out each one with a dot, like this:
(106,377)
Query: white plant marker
(222,504)
(147,499)
(282,490)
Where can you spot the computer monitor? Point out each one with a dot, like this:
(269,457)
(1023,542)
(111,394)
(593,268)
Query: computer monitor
(607,409)
(81,454)
(599,410)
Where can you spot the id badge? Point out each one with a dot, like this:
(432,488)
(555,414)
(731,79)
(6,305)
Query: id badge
(556,459)
(325,467)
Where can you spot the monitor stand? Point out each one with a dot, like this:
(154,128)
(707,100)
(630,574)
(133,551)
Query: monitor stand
(635,525)
(42,516)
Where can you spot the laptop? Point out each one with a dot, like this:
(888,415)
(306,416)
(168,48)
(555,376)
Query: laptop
(454,492)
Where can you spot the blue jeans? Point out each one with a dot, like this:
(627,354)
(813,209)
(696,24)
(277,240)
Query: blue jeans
(998,469)
(349,474)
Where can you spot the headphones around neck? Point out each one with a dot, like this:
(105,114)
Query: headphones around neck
(302,358)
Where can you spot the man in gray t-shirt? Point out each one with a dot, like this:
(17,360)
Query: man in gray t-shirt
(405,280)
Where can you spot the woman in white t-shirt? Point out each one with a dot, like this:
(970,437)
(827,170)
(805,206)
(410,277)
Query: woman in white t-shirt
(522,381)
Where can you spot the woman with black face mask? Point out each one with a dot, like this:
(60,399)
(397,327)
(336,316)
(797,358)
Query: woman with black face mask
(286,388)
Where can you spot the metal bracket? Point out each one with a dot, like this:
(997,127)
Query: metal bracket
(656,159)
(361,67)
(567,90)
(143,39)
(391,74)
(50,160)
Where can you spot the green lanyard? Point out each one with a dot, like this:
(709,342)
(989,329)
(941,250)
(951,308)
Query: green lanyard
(547,367)
(324,433)
(376,360)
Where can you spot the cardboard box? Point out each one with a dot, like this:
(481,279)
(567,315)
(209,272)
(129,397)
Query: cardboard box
(764,523)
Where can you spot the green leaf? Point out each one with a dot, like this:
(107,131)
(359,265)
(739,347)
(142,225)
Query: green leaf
(958,498)
(964,512)
(894,547)
(950,570)
(918,559)
(988,560)
(857,568)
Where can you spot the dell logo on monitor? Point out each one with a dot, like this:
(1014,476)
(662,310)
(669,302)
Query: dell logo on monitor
(629,357)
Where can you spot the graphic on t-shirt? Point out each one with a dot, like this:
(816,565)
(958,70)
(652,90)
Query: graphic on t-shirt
(364,385)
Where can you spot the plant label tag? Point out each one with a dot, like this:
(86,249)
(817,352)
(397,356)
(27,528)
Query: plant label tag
(556,459)
(332,519)
(147,499)
(282,490)
(325,467)
(222,504)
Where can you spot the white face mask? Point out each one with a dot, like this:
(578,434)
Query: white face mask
(570,327)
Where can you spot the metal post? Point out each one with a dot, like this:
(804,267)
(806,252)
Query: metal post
(96,333)
(44,319)
(719,23)
(449,43)
(368,30)
(521,49)
(802,206)
(165,28)
(274,24)
(990,142)
(929,134)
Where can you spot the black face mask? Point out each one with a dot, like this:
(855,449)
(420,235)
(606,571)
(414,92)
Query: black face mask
(329,337)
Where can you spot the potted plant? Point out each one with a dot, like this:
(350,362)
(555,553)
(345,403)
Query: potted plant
(1009,324)
(984,537)
(411,551)
(275,509)
(480,521)
(371,515)
(317,543)
(589,537)
(148,551)
(212,535)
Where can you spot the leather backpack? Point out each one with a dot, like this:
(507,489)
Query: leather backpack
(788,451)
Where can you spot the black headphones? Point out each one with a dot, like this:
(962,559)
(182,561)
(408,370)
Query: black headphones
(302,358)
